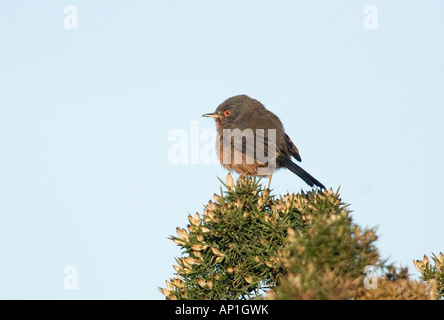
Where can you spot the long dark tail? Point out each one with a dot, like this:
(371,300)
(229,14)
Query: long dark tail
(304,175)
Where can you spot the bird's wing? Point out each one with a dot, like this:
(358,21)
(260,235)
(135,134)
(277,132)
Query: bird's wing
(257,144)
(292,148)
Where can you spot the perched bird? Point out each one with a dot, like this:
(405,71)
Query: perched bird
(251,140)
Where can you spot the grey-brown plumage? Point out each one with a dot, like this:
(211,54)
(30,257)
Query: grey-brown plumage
(251,140)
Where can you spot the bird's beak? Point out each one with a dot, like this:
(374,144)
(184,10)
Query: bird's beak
(212,115)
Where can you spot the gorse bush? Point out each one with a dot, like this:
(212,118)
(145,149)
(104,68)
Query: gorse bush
(328,260)
(336,259)
(250,243)
(235,249)
(432,273)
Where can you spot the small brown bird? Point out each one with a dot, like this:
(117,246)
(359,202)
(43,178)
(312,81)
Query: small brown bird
(251,140)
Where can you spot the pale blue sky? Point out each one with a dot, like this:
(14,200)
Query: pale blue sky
(85,115)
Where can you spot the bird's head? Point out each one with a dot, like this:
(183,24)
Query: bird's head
(233,109)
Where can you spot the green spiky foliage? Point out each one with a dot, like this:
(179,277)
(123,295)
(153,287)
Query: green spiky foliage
(334,258)
(248,243)
(432,272)
(329,260)
(236,248)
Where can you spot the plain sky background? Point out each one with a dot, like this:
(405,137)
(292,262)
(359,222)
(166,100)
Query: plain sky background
(85,115)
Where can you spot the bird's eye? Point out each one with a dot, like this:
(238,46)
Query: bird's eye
(227,113)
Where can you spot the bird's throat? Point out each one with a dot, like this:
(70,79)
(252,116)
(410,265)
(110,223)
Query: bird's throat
(218,123)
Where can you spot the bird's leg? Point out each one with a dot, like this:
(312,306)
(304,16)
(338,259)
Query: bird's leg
(269,181)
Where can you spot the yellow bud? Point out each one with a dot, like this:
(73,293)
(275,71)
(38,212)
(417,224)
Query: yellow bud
(217,252)
(198,254)
(425,260)
(189,260)
(211,206)
(182,233)
(275,215)
(249,279)
(198,247)
(230,181)
(441,257)
(169,285)
(239,203)
(204,229)
(438,265)
(291,235)
(298,206)
(165,292)
(209,284)
(179,242)
(419,265)
(177,268)
(178,283)
(288,203)
(212,216)
(200,237)
(268,264)
(184,264)
(216,198)
(201,282)
(260,202)
(196,218)
(229,269)
(307,218)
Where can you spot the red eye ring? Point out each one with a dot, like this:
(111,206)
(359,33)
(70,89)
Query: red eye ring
(227,113)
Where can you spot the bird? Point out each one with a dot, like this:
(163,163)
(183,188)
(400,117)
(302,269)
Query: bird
(251,140)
